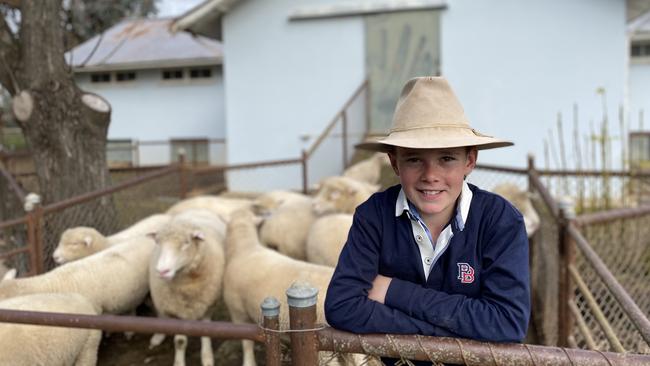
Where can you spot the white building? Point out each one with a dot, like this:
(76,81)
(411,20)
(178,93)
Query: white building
(165,90)
(515,65)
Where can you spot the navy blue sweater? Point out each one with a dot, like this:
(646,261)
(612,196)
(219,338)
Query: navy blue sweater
(478,288)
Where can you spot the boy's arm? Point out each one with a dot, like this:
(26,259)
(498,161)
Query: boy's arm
(501,312)
(347,306)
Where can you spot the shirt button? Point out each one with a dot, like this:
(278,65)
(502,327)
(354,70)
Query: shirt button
(428,260)
(418,237)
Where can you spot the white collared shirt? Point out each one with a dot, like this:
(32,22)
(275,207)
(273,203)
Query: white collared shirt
(430,253)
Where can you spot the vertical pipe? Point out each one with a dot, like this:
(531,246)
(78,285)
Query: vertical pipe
(271,312)
(305,183)
(183,179)
(38,222)
(565,289)
(301,298)
(31,240)
(344,122)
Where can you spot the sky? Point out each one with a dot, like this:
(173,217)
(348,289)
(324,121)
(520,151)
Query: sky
(170,8)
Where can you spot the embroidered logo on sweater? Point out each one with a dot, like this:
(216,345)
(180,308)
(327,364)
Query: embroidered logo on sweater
(465,273)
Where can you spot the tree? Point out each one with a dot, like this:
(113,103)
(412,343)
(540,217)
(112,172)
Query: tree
(65,128)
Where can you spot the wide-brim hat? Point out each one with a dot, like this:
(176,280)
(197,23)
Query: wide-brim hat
(429,116)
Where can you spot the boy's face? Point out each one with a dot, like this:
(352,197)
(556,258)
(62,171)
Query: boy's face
(432,179)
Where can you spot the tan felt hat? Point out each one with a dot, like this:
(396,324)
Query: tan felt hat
(429,116)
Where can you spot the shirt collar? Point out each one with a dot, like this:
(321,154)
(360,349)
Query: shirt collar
(462,208)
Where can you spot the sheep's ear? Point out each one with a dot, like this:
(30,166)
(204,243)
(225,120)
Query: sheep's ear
(10,275)
(88,240)
(198,235)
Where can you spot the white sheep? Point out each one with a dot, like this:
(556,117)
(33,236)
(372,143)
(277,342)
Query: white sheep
(185,274)
(221,206)
(46,345)
(521,200)
(115,280)
(341,194)
(368,170)
(254,272)
(326,238)
(83,241)
(266,203)
(286,229)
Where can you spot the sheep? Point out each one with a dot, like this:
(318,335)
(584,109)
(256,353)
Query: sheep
(46,345)
(341,194)
(83,241)
(326,238)
(115,280)
(221,206)
(368,170)
(254,272)
(287,228)
(185,274)
(521,200)
(266,203)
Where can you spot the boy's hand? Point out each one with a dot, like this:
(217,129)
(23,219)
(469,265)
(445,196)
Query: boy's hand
(379,288)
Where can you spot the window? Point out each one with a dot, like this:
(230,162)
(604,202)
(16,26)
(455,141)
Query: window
(200,73)
(100,77)
(172,74)
(196,150)
(125,76)
(640,49)
(119,153)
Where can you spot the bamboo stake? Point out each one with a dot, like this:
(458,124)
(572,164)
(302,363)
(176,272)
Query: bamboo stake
(560,139)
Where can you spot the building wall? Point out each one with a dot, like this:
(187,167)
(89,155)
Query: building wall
(150,108)
(515,65)
(639,95)
(284,80)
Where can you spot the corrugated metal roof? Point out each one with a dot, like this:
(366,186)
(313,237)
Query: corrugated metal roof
(144,44)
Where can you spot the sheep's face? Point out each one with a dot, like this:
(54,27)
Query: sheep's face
(335,195)
(178,251)
(77,243)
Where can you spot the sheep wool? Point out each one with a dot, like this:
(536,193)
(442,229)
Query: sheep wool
(326,238)
(114,280)
(186,274)
(26,345)
(221,206)
(82,241)
(254,272)
(341,194)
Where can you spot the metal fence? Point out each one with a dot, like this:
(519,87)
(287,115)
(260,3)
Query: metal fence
(308,339)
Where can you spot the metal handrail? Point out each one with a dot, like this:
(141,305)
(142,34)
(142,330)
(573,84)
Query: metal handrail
(337,116)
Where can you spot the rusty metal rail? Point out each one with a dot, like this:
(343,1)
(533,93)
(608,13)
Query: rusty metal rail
(611,215)
(118,323)
(628,305)
(118,187)
(468,352)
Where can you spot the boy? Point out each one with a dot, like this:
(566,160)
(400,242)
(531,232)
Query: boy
(434,255)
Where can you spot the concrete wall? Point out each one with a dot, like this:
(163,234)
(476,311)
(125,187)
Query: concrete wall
(284,80)
(515,65)
(150,108)
(639,80)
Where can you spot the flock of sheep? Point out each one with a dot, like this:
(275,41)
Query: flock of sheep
(201,251)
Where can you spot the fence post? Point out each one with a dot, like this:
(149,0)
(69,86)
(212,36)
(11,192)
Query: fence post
(271,312)
(567,257)
(301,298)
(305,183)
(183,179)
(34,236)
(344,127)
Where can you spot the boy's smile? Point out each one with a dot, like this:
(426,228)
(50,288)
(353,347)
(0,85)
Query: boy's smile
(432,179)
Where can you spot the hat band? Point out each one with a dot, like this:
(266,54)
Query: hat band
(428,127)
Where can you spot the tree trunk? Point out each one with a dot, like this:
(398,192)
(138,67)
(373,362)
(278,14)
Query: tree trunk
(65,128)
